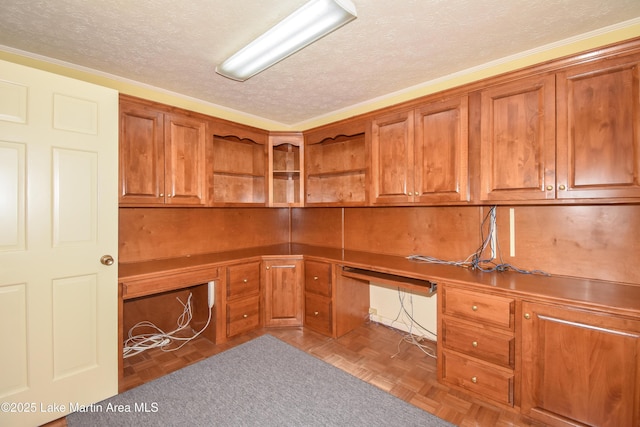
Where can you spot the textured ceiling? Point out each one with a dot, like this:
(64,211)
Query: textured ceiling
(391,46)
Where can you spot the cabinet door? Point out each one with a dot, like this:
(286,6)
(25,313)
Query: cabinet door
(517,148)
(392,158)
(284,297)
(441,152)
(599,130)
(184,160)
(141,154)
(580,365)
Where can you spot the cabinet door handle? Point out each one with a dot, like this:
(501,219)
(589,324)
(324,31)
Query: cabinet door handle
(245,316)
(315,277)
(474,380)
(549,187)
(474,307)
(562,187)
(315,313)
(475,343)
(527,316)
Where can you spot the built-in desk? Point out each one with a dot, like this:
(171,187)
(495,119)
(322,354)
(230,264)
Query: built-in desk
(516,313)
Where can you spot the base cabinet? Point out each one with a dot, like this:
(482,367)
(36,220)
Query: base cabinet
(283,292)
(477,343)
(243,308)
(334,305)
(556,362)
(579,367)
(318,292)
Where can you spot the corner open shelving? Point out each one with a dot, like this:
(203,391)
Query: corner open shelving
(286,169)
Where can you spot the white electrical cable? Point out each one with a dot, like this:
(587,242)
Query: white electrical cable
(136,344)
(410,337)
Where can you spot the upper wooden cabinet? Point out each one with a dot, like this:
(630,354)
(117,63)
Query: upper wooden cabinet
(517,148)
(441,151)
(236,165)
(392,158)
(286,169)
(574,134)
(421,155)
(599,130)
(161,156)
(337,165)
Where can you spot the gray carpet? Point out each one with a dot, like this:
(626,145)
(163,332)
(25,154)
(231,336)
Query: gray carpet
(264,382)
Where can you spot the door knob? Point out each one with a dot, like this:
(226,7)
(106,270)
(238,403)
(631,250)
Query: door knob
(106,260)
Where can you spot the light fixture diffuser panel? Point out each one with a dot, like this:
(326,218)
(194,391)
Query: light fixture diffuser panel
(307,24)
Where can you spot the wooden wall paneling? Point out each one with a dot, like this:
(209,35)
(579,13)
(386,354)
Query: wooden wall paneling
(595,242)
(317,226)
(450,233)
(146,234)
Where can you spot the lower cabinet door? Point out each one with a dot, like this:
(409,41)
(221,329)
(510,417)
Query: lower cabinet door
(283,292)
(580,367)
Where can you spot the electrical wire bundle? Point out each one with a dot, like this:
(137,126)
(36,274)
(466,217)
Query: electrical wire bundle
(475,261)
(165,341)
(415,334)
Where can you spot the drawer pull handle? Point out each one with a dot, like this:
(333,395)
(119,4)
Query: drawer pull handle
(245,280)
(474,380)
(474,307)
(245,315)
(527,316)
(315,313)
(475,343)
(315,277)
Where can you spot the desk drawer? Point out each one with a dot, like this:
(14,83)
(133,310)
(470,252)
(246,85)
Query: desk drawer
(317,314)
(243,315)
(158,283)
(243,280)
(317,277)
(478,307)
(485,380)
(487,345)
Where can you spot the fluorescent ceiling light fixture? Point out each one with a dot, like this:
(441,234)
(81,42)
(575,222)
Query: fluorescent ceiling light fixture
(307,24)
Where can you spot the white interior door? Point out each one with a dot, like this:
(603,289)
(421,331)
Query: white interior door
(58,217)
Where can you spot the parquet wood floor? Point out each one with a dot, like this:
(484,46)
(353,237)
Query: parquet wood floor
(374,353)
